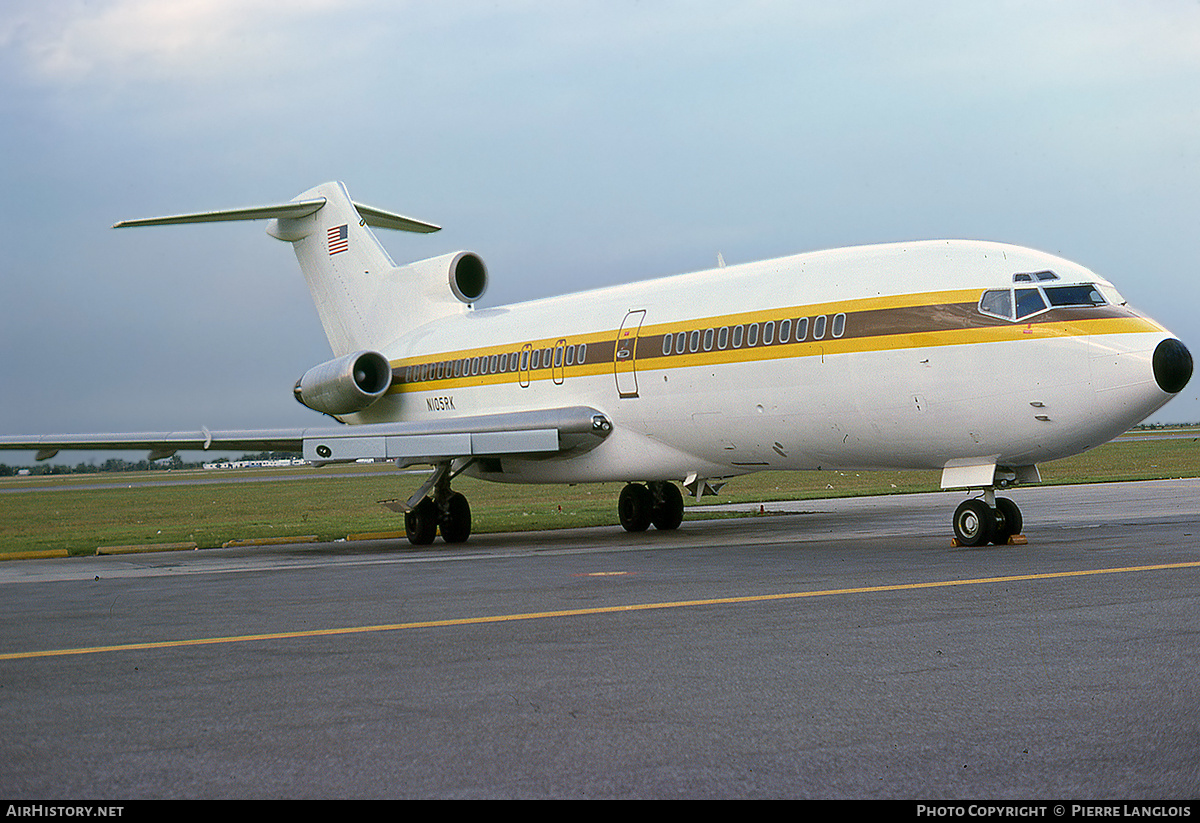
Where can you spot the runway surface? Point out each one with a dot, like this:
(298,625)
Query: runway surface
(844,650)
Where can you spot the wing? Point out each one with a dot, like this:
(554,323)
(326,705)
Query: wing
(546,431)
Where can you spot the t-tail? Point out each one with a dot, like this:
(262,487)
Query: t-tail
(364,300)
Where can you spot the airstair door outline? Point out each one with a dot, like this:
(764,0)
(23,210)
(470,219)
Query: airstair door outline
(625,353)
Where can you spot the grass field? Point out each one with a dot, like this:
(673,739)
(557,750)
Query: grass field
(60,512)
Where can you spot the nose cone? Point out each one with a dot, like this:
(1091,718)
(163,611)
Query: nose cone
(1172,365)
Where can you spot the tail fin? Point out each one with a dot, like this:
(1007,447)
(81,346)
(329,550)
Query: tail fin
(342,261)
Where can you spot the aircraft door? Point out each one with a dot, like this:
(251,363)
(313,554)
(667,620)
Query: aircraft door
(560,367)
(523,367)
(625,353)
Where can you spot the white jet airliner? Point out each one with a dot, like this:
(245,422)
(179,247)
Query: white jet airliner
(978,359)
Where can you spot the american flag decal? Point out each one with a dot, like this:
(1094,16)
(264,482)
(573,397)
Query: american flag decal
(339,239)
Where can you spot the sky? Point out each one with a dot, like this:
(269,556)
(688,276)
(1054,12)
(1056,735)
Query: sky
(570,144)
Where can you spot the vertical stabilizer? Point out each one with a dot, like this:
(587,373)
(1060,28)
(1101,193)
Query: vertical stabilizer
(342,262)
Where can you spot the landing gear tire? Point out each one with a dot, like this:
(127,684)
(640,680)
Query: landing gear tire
(974,523)
(667,510)
(455,521)
(635,507)
(420,524)
(1008,520)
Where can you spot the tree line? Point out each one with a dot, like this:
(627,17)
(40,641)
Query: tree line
(117,464)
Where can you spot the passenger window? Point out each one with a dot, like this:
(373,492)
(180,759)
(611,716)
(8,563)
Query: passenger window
(737,336)
(752,334)
(819,327)
(839,324)
(570,355)
(708,339)
(579,358)
(785,330)
(801,329)
(723,337)
(666,344)
(694,341)
(768,332)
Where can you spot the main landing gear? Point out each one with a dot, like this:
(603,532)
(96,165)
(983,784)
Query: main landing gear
(444,510)
(992,519)
(452,517)
(658,502)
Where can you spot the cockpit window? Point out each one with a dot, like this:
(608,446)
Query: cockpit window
(1037,276)
(1086,295)
(997,302)
(1021,302)
(1029,301)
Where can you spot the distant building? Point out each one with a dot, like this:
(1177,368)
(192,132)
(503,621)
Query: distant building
(257,464)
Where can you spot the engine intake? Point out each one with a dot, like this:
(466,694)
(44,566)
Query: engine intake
(346,384)
(468,277)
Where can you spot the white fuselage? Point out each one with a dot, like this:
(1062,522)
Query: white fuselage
(897,369)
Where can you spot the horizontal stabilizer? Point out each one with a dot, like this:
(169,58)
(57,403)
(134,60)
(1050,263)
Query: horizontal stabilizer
(381,219)
(372,216)
(296,208)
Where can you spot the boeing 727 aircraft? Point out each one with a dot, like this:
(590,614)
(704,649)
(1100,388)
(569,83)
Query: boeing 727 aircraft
(978,359)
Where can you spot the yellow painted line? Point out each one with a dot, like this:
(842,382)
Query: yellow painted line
(598,610)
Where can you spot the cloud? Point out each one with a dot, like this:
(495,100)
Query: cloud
(75,42)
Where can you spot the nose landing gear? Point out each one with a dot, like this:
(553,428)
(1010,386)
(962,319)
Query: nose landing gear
(990,520)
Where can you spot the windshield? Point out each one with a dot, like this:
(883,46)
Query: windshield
(1027,300)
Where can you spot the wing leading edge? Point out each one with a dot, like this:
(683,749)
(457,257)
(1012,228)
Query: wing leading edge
(492,435)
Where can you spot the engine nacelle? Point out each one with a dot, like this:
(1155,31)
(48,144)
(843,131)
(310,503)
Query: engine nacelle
(346,384)
(464,272)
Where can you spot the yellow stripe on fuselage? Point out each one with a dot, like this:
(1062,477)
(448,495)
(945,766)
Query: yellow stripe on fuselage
(988,331)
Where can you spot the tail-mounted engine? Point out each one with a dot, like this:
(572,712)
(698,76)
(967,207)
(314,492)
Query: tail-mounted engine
(345,385)
(464,272)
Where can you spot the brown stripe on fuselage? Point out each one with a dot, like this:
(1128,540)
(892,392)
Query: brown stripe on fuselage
(863,323)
